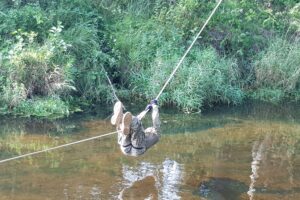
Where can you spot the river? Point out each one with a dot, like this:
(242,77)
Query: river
(251,151)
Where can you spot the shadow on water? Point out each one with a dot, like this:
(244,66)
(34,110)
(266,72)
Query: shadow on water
(245,152)
(226,188)
(222,188)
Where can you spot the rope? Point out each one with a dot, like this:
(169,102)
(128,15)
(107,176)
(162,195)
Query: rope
(57,147)
(188,50)
(111,85)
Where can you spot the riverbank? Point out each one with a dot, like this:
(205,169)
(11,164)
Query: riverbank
(54,54)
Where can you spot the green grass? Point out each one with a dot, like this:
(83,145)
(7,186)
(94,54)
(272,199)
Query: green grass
(277,71)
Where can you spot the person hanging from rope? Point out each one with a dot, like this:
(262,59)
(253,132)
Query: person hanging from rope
(133,139)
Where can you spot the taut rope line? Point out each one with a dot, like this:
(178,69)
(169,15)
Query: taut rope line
(114,93)
(57,147)
(111,85)
(188,50)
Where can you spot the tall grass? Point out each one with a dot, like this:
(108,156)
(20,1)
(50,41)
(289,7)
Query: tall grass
(204,79)
(278,71)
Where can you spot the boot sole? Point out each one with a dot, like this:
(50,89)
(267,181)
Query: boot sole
(127,119)
(117,116)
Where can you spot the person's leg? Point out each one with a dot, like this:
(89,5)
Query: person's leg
(155,119)
(117,115)
(151,137)
(124,136)
(153,133)
(121,121)
(137,136)
(126,122)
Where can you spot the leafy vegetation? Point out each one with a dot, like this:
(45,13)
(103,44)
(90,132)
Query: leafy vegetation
(54,54)
(204,79)
(278,71)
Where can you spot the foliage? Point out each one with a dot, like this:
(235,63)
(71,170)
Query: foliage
(32,70)
(60,50)
(151,44)
(85,31)
(277,71)
(52,108)
(204,79)
(294,14)
(46,47)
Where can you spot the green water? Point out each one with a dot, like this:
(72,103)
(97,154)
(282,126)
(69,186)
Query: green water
(245,152)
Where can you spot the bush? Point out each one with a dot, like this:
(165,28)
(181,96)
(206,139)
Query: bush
(29,18)
(203,79)
(50,107)
(38,63)
(32,70)
(277,71)
(86,32)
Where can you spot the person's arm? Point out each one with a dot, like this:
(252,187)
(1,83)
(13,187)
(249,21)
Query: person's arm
(142,115)
(148,108)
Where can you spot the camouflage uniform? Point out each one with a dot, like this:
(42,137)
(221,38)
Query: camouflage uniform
(139,139)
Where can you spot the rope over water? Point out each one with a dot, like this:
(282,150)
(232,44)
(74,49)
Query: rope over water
(114,93)
(57,147)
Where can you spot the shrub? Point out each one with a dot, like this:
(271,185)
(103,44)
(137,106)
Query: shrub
(86,47)
(87,33)
(203,79)
(31,69)
(277,71)
(294,14)
(50,107)
(29,18)
(13,94)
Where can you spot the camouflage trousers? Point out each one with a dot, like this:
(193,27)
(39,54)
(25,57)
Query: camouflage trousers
(139,139)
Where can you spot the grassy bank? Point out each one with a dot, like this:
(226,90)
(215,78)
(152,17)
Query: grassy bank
(53,53)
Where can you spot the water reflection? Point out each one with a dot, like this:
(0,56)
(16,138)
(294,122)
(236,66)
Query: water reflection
(257,152)
(164,179)
(273,159)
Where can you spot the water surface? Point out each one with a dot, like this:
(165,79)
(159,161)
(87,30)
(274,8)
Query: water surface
(244,152)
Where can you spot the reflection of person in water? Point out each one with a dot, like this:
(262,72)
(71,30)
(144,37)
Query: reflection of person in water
(132,137)
(148,181)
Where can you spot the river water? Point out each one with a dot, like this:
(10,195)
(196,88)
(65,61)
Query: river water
(245,152)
